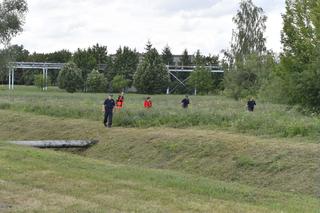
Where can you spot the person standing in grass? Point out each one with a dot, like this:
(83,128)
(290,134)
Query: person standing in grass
(120,101)
(108,107)
(251,104)
(185,102)
(148,103)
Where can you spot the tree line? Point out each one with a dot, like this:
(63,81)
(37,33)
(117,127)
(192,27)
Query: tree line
(291,77)
(122,70)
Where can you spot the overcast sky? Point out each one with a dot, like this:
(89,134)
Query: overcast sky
(193,24)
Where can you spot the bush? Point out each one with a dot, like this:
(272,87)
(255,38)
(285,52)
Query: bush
(70,78)
(96,82)
(201,79)
(246,78)
(119,83)
(40,82)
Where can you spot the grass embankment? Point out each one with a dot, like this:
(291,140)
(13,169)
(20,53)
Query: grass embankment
(209,112)
(278,164)
(34,180)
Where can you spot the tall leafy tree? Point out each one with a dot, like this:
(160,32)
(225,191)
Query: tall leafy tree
(152,76)
(100,53)
(18,53)
(125,63)
(248,37)
(86,61)
(300,59)
(212,60)
(12,15)
(167,56)
(248,43)
(61,56)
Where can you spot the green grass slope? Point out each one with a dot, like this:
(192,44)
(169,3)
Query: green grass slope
(283,165)
(34,180)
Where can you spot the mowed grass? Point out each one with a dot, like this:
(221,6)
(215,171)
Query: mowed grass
(209,112)
(277,164)
(34,180)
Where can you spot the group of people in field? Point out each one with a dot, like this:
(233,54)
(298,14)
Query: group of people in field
(109,105)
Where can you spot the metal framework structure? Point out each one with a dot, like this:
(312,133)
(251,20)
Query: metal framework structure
(185,69)
(38,65)
(172,70)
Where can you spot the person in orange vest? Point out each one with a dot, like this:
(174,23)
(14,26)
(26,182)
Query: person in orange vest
(120,101)
(148,103)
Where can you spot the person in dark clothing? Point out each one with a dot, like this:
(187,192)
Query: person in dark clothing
(108,107)
(185,102)
(251,104)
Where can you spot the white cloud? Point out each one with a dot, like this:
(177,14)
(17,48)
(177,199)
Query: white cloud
(191,24)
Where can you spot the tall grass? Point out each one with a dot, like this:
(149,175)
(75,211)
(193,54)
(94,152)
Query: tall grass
(211,112)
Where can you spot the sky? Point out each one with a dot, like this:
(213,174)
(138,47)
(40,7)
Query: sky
(206,25)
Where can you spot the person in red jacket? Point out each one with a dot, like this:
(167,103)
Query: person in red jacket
(120,101)
(148,103)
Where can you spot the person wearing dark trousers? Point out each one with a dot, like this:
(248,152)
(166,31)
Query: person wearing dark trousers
(108,107)
(251,104)
(185,102)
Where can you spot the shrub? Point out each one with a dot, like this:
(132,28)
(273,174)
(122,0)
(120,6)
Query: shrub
(70,78)
(201,80)
(40,82)
(119,83)
(96,82)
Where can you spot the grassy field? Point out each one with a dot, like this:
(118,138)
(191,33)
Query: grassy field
(213,157)
(209,112)
(45,181)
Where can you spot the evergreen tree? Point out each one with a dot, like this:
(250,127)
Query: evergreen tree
(148,46)
(185,59)
(167,56)
(152,76)
(199,59)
